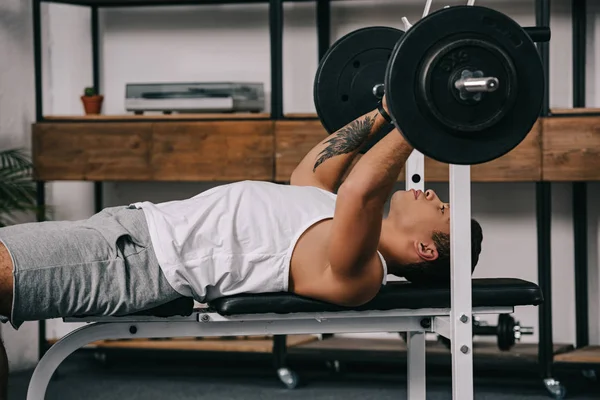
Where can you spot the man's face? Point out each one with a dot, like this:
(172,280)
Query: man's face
(419,214)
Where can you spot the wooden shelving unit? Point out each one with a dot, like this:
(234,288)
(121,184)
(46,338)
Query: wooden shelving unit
(225,147)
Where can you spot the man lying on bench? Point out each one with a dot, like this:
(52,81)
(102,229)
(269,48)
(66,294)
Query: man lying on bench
(245,237)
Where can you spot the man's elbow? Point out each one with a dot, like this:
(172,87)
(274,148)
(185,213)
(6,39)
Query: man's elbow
(356,191)
(357,299)
(351,189)
(356,302)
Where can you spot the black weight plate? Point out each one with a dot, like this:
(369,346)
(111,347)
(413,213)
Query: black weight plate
(403,83)
(347,73)
(506,333)
(441,71)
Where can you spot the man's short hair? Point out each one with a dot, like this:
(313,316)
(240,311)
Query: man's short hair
(438,270)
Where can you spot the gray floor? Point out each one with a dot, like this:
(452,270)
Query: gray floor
(80,379)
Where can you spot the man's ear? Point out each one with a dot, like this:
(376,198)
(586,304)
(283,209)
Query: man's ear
(426,250)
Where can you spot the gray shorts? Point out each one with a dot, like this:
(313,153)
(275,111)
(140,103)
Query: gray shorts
(101,266)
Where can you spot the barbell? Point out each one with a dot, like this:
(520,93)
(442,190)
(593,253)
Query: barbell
(464,85)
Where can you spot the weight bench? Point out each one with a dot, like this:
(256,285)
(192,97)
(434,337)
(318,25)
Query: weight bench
(399,307)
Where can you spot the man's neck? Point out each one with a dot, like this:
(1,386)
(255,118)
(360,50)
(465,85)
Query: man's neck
(389,242)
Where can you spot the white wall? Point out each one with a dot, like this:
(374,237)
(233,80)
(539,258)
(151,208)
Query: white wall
(232,43)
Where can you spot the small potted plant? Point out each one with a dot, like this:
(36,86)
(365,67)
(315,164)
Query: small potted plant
(92,102)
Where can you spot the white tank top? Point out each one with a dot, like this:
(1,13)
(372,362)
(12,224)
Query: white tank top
(234,238)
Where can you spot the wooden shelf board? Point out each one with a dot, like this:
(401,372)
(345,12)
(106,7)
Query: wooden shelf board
(155,117)
(525,351)
(294,139)
(301,116)
(347,348)
(229,116)
(570,148)
(262,344)
(154,151)
(134,3)
(567,111)
(173,117)
(584,355)
(137,148)
(554,111)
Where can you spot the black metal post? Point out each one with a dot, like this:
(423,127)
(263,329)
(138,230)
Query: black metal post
(323,26)
(578,15)
(39,116)
(276,32)
(542,18)
(37,59)
(580,237)
(276,35)
(580,226)
(544,219)
(98,196)
(41,216)
(279,351)
(95,48)
(98,186)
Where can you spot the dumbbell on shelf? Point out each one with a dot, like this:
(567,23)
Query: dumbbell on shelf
(508,331)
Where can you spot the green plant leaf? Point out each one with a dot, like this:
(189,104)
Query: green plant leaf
(18,192)
(14,160)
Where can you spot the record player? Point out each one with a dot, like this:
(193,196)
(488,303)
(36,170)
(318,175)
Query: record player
(199,97)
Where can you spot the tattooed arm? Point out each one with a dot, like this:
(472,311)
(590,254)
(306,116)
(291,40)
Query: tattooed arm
(358,216)
(327,163)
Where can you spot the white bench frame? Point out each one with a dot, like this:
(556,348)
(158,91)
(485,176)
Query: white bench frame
(205,324)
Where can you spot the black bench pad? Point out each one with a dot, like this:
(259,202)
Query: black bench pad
(501,292)
(183,306)
(498,292)
(180,307)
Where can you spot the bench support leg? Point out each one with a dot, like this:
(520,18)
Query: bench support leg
(416,366)
(61,350)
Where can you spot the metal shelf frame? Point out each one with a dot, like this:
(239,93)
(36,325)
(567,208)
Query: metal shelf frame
(544,218)
(580,226)
(579,202)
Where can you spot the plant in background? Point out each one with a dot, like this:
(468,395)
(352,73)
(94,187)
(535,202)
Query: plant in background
(92,101)
(17,188)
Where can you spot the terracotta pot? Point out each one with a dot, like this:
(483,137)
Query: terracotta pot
(92,104)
